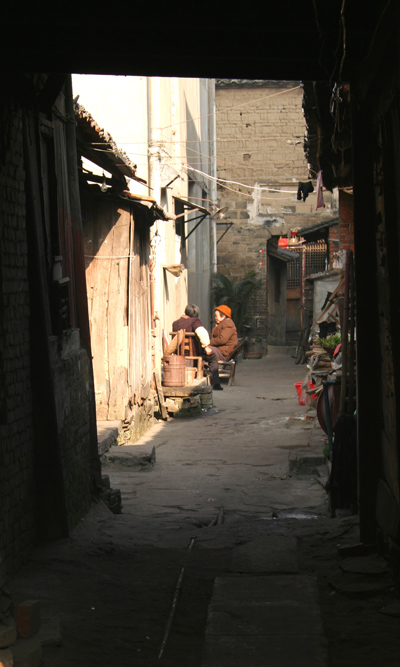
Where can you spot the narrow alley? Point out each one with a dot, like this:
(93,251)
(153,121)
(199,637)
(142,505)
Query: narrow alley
(236,168)
(224,552)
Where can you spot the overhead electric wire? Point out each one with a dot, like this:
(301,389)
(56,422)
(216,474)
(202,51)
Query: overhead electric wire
(243,185)
(219,181)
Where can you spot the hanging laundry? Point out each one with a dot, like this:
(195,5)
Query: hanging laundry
(304,190)
(320,195)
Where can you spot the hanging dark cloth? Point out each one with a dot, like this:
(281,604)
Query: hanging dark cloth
(304,190)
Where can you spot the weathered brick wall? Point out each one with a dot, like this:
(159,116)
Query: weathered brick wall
(17,506)
(260,133)
(333,242)
(19,441)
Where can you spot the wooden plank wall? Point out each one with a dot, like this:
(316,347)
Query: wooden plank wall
(97,249)
(117,316)
(140,366)
(118,289)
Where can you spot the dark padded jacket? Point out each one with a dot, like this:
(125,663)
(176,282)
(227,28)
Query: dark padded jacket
(189,324)
(224,336)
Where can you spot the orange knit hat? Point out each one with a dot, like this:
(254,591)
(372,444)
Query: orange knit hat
(225,310)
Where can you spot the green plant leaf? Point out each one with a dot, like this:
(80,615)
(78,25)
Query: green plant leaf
(235,293)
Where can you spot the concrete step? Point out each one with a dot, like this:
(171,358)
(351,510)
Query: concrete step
(107,433)
(130,456)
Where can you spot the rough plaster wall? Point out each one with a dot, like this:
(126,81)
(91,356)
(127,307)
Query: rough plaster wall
(183,140)
(198,253)
(179,135)
(321,288)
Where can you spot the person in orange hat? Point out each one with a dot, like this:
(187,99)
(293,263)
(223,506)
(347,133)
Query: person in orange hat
(222,342)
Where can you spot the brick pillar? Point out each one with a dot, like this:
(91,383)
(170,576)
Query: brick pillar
(333,242)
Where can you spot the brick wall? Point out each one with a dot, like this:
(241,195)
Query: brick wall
(21,484)
(17,521)
(260,132)
(333,242)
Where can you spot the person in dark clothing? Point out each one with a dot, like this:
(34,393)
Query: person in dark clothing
(190,322)
(223,341)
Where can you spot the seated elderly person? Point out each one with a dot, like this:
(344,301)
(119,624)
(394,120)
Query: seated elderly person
(223,341)
(191,323)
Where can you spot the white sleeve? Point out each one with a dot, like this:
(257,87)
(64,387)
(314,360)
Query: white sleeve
(202,334)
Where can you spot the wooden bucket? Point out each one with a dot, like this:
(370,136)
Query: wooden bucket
(173,371)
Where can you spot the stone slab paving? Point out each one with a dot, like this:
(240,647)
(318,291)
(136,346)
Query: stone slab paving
(265,651)
(268,620)
(268,554)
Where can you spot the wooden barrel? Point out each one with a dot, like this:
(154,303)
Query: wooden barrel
(173,371)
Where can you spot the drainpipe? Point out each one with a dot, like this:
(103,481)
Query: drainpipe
(154,180)
(152,305)
(154,122)
(213,173)
(148,93)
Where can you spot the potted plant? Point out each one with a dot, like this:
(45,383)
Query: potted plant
(236,294)
(253,348)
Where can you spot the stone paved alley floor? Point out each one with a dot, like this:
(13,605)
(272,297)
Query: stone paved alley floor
(262,583)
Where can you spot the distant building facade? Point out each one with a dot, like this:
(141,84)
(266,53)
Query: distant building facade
(264,181)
